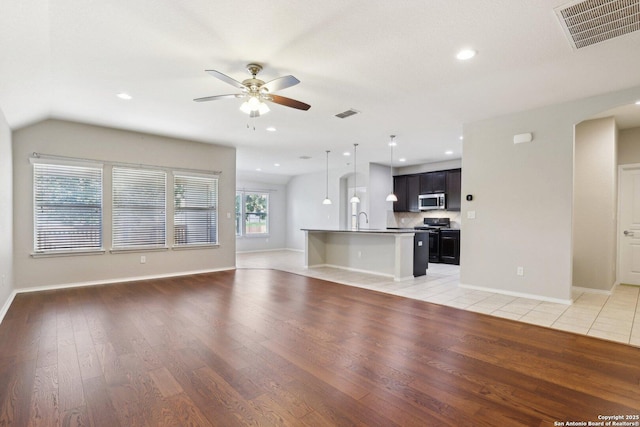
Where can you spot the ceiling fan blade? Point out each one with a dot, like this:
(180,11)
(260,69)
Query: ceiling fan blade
(288,102)
(226,79)
(281,83)
(216,97)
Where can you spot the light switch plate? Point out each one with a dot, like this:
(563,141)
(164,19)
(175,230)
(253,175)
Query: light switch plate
(471,214)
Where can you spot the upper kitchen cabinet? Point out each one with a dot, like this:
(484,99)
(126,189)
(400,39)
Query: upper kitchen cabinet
(407,190)
(454,182)
(433,182)
(400,190)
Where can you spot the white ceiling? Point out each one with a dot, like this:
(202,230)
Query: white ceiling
(392,60)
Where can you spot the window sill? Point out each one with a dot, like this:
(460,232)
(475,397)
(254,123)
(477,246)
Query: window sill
(139,249)
(253,236)
(53,254)
(200,246)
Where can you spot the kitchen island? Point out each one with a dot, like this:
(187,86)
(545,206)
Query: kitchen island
(383,252)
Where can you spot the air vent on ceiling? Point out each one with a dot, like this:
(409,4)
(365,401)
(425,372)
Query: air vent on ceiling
(593,21)
(347,113)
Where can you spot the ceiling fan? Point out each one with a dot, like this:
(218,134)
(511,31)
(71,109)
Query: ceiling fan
(255,92)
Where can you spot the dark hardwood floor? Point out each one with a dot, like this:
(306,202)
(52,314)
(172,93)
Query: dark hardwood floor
(264,347)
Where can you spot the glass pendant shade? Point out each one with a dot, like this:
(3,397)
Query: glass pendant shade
(327,200)
(392,197)
(355,198)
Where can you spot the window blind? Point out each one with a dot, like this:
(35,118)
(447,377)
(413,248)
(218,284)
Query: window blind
(195,219)
(139,208)
(67,207)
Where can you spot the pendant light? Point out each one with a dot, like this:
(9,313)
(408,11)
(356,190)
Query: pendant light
(327,200)
(355,198)
(392,197)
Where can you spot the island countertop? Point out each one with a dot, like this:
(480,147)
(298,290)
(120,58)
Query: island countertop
(366,230)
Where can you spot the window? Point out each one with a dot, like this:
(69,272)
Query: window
(139,208)
(252,213)
(67,207)
(195,220)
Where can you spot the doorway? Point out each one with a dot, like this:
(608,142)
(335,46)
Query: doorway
(629,225)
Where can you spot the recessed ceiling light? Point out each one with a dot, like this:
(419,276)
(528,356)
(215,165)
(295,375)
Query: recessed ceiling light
(465,54)
(259,170)
(271,129)
(346,153)
(276,164)
(402,159)
(448,152)
(461,137)
(637,102)
(125,96)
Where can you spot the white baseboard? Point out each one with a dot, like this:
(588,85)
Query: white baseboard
(518,294)
(593,291)
(121,280)
(6,305)
(358,270)
(263,250)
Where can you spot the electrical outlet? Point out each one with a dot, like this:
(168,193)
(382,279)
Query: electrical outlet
(520,271)
(359,254)
(143,259)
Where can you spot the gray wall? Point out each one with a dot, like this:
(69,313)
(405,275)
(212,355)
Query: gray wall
(629,146)
(6,216)
(523,197)
(54,137)
(595,204)
(277,218)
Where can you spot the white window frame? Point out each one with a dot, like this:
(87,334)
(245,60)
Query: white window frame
(183,205)
(46,224)
(242,214)
(146,182)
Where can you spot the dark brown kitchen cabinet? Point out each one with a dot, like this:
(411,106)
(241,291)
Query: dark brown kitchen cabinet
(450,247)
(413,191)
(400,190)
(407,189)
(454,181)
(433,182)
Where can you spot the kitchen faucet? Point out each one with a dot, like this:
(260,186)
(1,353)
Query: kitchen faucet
(366,218)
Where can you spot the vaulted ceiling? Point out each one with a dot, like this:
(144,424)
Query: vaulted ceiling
(393,61)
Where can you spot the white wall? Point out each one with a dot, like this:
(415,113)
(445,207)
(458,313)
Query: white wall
(380,185)
(305,194)
(277,218)
(54,137)
(6,216)
(595,204)
(430,167)
(523,198)
(629,146)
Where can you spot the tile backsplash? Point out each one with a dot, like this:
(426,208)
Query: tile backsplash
(412,219)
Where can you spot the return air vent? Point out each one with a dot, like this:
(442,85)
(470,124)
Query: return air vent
(347,113)
(594,21)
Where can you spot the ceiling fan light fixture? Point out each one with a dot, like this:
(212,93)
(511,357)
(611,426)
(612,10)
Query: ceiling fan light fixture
(263,108)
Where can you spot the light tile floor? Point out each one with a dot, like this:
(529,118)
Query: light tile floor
(615,317)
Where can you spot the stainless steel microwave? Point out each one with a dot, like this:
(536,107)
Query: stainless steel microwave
(428,202)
